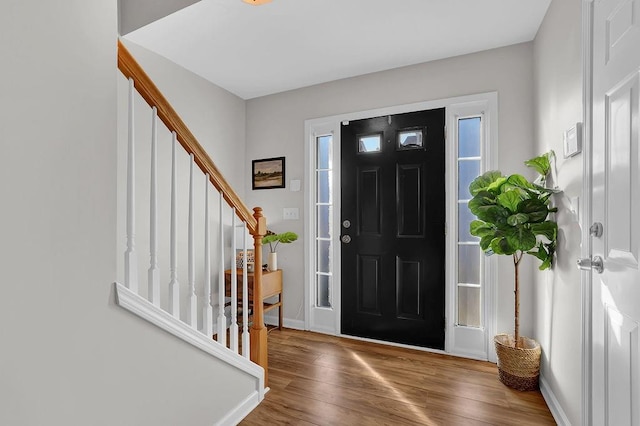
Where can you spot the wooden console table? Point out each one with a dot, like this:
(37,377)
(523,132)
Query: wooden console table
(271,286)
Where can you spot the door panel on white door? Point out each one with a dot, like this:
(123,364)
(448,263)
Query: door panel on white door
(618,25)
(615,204)
(622,172)
(621,370)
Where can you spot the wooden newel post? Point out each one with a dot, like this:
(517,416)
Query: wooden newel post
(258,332)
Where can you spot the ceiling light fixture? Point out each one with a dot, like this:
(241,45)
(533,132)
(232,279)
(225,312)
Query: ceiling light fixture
(257,2)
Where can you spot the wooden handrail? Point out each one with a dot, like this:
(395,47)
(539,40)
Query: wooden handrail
(150,93)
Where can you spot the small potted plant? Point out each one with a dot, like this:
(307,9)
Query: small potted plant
(273,240)
(513,220)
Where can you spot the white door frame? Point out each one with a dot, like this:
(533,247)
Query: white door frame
(586,208)
(331,125)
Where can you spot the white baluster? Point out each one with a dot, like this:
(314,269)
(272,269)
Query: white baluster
(233,331)
(245,298)
(192,307)
(130,259)
(154,271)
(222,319)
(207,315)
(174,285)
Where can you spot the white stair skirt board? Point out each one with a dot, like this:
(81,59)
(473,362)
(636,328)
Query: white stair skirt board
(554,405)
(243,409)
(155,315)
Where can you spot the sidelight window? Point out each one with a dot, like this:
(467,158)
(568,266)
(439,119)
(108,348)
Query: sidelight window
(469,283)
(324,211)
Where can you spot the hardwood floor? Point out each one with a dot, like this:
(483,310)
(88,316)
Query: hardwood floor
(324,380)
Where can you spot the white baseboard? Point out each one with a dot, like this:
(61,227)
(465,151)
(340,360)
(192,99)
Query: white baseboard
(288,323)
(324,330)
(554,405)
(236,415)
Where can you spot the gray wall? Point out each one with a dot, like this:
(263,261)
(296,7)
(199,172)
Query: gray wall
(275,127)
(558,106)
(69,355)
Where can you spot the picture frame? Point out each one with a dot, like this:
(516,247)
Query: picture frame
(268,173)
(240,260)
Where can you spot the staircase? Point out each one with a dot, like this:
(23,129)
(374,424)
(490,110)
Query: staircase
(193,311)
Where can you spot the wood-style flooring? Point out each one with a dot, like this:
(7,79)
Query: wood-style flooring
(317,379)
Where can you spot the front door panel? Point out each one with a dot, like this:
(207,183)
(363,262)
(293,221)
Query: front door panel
(393,259)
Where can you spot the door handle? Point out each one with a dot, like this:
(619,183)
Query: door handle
(596,264)
(345,239)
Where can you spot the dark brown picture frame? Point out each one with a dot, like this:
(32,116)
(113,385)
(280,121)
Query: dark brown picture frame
(268,173)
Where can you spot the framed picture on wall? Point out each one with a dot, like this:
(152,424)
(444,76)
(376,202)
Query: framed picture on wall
(268,173)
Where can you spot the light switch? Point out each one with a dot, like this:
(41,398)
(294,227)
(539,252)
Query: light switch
(575,206)
(290,213)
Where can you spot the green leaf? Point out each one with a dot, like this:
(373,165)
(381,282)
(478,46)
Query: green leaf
(284,238)
(519,181)
(540,164)
(540,252)
(521,238)
(536,209)
(481,183)
(481,229)
(551,250)
(495,187)
(510,200)
(544,252)
(267,239)
(287,237)
(495,215)
(485,242)
(517,219)
(481,200)
(546,191)
(548,229)
(546,264)
(502,246)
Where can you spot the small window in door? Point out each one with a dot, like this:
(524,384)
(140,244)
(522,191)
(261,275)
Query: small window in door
(409,139)
(369,143)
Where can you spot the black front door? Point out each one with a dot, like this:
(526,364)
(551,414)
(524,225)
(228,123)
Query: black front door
(393,228)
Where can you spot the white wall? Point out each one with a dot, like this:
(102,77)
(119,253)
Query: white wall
(275,127)
(68,355)
(558,106)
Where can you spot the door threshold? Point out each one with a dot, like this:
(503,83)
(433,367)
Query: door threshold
(399,345)
(415,348)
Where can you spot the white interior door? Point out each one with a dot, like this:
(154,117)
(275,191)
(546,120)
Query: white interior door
(616,204)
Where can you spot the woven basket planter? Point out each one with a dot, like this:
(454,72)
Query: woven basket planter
(519,368)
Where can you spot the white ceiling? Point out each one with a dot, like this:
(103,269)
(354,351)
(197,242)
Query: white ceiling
(287,44)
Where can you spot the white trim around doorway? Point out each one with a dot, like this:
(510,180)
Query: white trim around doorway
(327,320)
(585,208)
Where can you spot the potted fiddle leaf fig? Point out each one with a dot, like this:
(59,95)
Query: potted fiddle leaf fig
(513,220)
(273,240)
